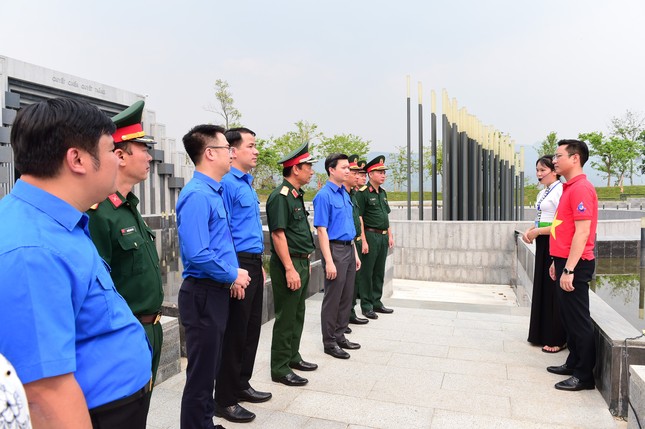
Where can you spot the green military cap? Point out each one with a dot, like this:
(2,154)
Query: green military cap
(128,125)
(353,162)
(300,155)
(361,165)
(376,164)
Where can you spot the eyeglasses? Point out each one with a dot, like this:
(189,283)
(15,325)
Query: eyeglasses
(230,149)
(559,155)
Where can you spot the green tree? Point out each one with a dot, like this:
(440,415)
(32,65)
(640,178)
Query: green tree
(427,160)
(629,127)
(348,144)
(615,155)
(398,165)
(289,141)
(267,168)
(548,145)
(225,106)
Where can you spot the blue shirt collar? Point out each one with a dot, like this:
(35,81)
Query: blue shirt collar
(242,175)
(217,187)
(334,187)
(59,210)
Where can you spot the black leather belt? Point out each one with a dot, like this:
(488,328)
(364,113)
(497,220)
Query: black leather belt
(124,401)
(205,282)
(149,319)
(343,242)
(246,255)
(378,231)
(299,255)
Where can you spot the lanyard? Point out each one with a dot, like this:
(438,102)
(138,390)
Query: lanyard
(539,212)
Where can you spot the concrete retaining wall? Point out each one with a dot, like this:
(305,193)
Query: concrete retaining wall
(455,251)
(636,414)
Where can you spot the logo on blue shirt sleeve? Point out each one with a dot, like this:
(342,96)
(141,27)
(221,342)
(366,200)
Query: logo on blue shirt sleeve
(581,207)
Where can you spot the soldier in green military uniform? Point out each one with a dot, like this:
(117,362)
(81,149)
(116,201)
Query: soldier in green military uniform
(377,238)
(122,237)
(355,166)
(291,244)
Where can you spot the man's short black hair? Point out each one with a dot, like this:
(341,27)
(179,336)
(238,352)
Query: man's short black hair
(576,146)
(195,140)
(332,160)
(234,135)
(43,132)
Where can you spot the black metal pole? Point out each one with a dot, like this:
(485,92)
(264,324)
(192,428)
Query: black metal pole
(433,137)
(409,157)
(420,154)
(446,196)
(472,179)
(454,170)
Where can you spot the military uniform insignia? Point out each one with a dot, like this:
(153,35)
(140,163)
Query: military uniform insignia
(284,191)
(362,188)
(371,189)
(94,206)
(115,200)
(294,193)
(128,230)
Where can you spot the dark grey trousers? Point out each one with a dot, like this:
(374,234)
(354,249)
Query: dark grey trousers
(337,302)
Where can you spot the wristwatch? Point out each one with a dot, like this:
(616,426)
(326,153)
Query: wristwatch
(565,270)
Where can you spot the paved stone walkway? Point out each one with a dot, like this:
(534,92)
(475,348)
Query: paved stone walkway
(428,365)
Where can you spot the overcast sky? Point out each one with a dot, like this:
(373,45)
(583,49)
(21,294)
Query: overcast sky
(525,67)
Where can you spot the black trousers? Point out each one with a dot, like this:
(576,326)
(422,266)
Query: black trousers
(574,308)
(241,337)
(132,415)
(335,309)
(203,309)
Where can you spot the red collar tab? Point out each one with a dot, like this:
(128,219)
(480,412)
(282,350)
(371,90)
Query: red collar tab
(115,200)
(296,160)
(129,132)
(295,193)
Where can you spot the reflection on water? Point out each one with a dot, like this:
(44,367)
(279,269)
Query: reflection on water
(618,283)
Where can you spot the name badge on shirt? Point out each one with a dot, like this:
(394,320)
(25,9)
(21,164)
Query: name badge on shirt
(128,230)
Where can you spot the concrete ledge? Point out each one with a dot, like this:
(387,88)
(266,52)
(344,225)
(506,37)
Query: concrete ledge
(636,414)
(169,363)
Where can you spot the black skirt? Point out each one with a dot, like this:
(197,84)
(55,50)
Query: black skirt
(545,328)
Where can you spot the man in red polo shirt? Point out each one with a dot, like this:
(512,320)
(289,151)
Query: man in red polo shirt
(571,244)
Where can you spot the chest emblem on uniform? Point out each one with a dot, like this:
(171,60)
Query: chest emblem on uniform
(294,193)
(128,230)
(581,207)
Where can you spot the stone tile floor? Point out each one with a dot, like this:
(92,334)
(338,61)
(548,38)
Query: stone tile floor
(431,364)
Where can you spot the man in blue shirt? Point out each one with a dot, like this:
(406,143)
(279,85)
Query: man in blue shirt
(245,315)
(211,271)
(60,311)
(334,220)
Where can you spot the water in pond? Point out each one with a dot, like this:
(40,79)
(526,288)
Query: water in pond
(618,282)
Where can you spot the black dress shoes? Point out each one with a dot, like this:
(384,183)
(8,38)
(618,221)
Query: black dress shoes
(358,320)
(235,413)
(304,366)
(291,379)
(348,345)
(371,315)
(348,330)
(337,352)
(252,395)
(383,310)
(560,370)
(573,384)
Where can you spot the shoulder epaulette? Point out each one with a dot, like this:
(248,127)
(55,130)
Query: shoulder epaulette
(284,191)
(94,206)
(362,188)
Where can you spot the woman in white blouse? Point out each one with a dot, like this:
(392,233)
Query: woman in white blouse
(546,327)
